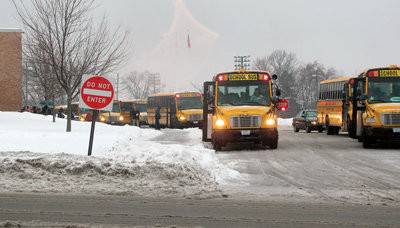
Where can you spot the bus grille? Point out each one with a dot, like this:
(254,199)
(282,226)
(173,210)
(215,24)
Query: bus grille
(245,121)
(391,119)
(195,117)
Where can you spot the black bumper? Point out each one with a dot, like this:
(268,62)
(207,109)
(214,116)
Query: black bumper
(190,124)
(382,133)
(256,135)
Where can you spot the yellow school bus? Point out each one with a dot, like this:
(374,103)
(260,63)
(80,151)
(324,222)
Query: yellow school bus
(177,110)
(115,116)
(139,105)
(330,104)
(241,107)
(373,105)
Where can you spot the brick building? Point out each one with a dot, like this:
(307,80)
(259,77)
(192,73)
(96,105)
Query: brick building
(10,69)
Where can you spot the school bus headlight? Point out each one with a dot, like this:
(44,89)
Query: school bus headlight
(182,118)
(121,118)
(102,119)
(220,123)
(314,122)
(270,122)
(370,120)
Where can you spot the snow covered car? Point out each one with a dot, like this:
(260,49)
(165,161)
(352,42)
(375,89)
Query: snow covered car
(307,120)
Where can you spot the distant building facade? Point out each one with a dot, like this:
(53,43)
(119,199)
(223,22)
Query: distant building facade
(10,69)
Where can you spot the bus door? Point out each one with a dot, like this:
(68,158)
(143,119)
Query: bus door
(345,105)
(358,104)
(208,108)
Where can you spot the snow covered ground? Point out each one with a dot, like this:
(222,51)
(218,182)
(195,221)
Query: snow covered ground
(37,155)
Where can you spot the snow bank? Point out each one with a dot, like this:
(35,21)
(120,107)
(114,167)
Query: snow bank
(125,159)
(285,122)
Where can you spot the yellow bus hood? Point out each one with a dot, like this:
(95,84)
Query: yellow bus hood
(192,111)
(243,110)
(382,108)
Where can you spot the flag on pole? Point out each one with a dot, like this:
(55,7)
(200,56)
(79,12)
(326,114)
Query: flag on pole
(189,43)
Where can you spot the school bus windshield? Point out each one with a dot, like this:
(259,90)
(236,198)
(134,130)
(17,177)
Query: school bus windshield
(126,106)
(141,107)
(239,93)
(384,90)
(185,103)
(116,107)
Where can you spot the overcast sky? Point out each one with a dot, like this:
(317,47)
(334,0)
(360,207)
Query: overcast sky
(349,35)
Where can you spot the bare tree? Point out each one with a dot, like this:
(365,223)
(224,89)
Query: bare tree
(72,43)
(308,83)
(42,81)
(285,65)
(137,84)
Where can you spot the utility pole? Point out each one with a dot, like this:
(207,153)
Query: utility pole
(155,82)
(118,86)
(242,62)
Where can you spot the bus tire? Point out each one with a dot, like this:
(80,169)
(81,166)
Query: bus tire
(320,129)
(368,142)
(336,130)
(216,145)
(273,144)
(296,129)
(308,129)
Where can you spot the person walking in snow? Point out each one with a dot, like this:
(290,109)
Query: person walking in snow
(61,113)
(158,117)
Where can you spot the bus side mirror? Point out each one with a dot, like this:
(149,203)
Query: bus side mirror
(274,77)
(278,92)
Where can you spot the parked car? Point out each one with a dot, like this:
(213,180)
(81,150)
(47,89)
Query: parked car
(307,120)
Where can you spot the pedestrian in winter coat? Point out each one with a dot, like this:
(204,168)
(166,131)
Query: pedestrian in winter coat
(61,113)
(158,117)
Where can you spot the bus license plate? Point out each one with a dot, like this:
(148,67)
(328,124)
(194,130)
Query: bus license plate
(396,130)
(246,132)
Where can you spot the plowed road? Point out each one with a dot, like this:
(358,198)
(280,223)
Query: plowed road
(312,180)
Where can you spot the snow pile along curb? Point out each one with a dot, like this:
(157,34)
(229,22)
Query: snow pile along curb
(127,160)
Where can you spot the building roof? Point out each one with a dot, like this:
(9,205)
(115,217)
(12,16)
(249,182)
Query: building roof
(337,79)
(10,30)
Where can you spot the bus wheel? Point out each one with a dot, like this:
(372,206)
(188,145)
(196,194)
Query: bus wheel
(336,130)
(216,145)
(368,142)
(308,129)
(320,129)
(273,144)
(295,129)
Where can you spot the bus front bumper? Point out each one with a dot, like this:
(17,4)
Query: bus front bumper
(245,135)
(383,133)
(190,124)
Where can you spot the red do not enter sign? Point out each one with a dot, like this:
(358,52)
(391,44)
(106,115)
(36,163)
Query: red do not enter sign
(97,92)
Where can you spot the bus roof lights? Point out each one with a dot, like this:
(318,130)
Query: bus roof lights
(373,73)
(264,77)
(222,77)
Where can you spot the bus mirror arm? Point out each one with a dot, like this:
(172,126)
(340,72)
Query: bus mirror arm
(212,109)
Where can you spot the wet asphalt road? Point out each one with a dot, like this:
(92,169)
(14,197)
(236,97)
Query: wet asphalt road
(86,211)
(312,180)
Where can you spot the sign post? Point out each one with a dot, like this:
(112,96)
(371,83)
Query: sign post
(97,93)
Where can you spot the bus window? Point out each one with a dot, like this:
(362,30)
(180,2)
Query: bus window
(185,103)
(116,107)
(126,106)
